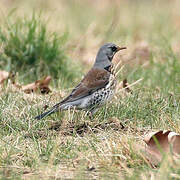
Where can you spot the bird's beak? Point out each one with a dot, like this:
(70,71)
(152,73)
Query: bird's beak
(120,48)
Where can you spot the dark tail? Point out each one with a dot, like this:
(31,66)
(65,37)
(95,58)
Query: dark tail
(46,113)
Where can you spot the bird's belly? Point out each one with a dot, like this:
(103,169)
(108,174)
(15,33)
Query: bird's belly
(101,96)
(98,98)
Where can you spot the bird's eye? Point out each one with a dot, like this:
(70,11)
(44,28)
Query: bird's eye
(114,48)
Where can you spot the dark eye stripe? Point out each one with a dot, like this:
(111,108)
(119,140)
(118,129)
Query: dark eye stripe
(114,48)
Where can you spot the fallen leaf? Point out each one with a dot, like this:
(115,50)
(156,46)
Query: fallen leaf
(160,143)
(126,86)
(3,76)
(45,107)
(41,85)
(123,86)
(174,138)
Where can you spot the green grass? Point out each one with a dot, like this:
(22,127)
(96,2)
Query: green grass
(69,145)
(31,50)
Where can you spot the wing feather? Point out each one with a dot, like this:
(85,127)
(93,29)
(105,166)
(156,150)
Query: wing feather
(94,80)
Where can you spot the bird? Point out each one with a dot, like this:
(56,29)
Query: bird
(95,89)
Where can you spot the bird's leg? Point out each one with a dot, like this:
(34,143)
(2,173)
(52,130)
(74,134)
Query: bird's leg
(92,112)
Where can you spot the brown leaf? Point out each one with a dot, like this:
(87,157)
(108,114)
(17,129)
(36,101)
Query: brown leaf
(123,86)
(161,142)
(174,138)
(3,76)
(126,86)
(41,85)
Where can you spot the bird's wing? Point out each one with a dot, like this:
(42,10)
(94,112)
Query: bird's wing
(94,80)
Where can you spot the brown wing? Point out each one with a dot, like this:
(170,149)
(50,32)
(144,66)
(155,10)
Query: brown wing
(94,80)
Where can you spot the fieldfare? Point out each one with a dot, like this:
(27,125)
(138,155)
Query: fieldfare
(96,88)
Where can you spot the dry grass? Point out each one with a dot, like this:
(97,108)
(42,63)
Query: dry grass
(70,145)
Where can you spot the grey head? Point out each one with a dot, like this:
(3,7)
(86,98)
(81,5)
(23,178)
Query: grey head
(105,55)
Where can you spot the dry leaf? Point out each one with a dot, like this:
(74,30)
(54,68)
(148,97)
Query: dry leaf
(3,76)
(124,85)
(41,85)
(161,142)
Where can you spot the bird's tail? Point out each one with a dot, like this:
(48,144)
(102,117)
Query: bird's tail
(54,109)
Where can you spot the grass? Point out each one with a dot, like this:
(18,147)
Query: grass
(70,145)
(27,46)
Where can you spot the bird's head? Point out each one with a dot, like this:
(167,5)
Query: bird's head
(105,55)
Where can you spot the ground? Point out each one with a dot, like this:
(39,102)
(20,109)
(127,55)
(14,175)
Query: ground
(70,145)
